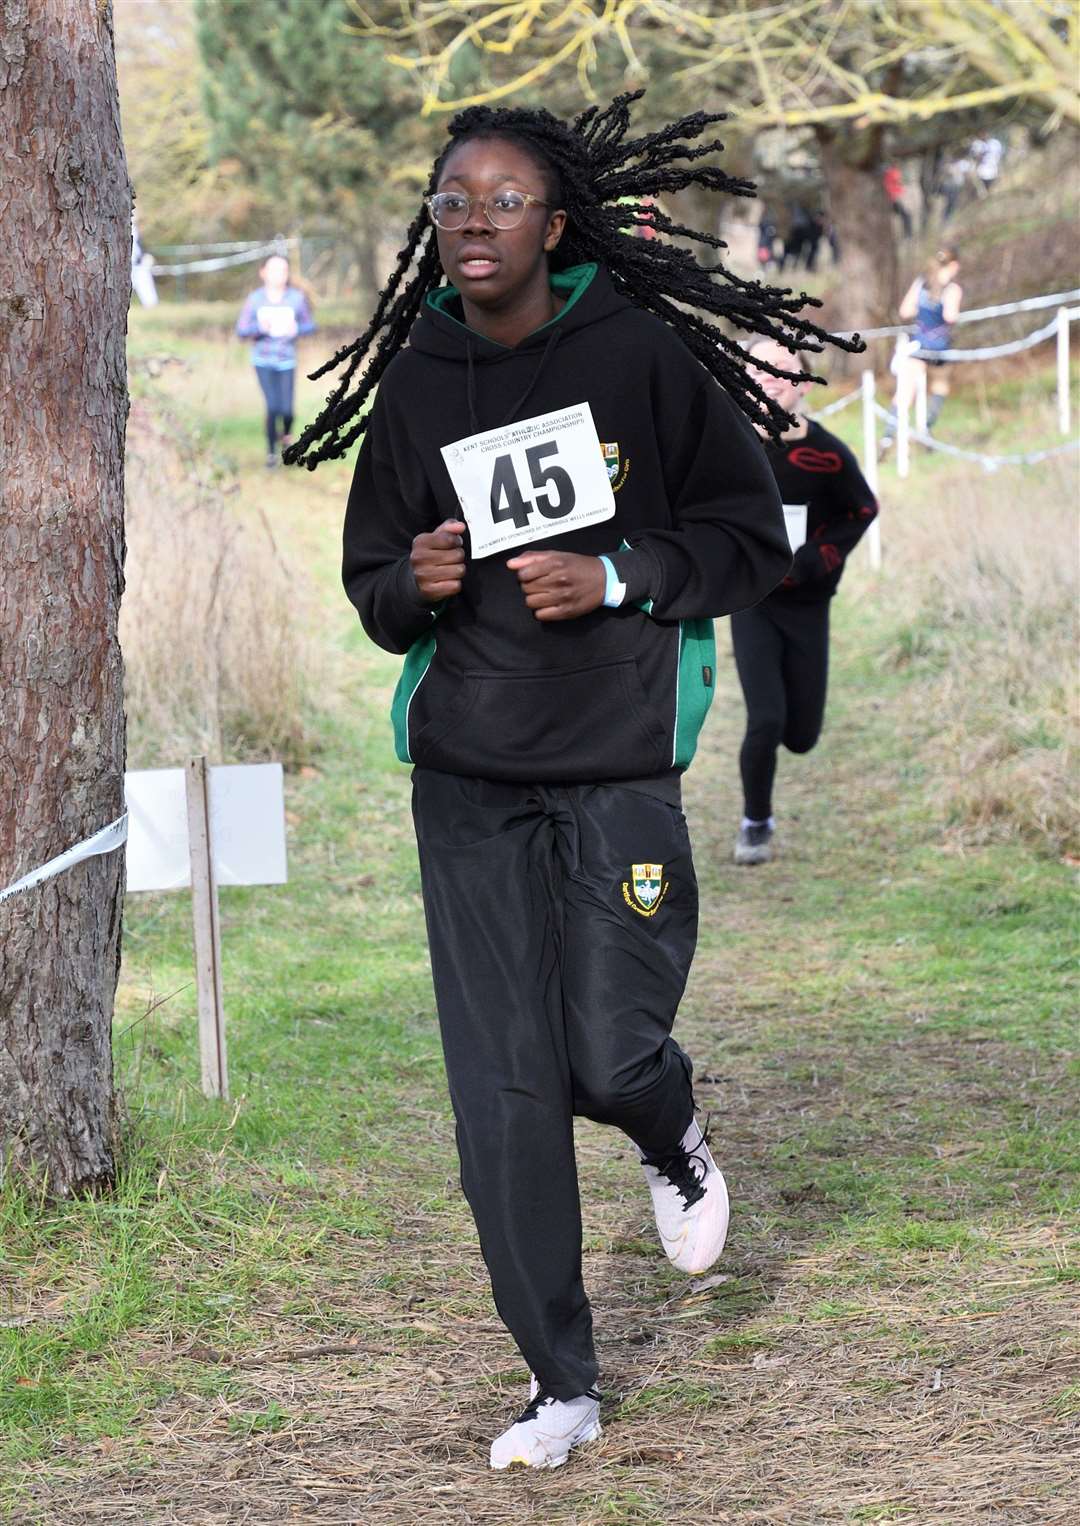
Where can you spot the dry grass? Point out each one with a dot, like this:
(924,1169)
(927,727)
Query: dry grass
(212,619)
(986,573)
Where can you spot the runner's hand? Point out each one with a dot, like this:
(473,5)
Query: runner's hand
(560,585)
(437,559)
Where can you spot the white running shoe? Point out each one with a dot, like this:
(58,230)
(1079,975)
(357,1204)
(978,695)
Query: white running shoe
(690,1201)
(544,1433)
(754,842)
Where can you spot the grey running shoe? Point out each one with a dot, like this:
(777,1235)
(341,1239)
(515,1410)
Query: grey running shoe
(754,844)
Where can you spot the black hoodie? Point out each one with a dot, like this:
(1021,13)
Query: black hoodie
(488,690)
(820,473)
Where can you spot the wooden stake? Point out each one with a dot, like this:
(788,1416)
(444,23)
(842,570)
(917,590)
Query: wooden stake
(204,905)
(1063,398)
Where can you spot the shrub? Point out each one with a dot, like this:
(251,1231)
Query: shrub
(983,575)
(211,621)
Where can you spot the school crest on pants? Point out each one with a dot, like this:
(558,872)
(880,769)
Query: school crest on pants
(645,889)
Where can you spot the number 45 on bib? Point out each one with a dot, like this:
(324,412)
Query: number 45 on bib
(539,477)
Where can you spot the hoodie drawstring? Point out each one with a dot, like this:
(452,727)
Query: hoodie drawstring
(470,382)
(525,396)
(470,385)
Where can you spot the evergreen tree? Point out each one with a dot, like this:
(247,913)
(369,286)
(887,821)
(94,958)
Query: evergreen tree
(314,115)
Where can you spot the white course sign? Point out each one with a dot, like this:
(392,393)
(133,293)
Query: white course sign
(206,827)
(530,480)
(247,827)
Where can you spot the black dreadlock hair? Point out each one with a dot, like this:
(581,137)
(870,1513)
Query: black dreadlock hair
(591,165)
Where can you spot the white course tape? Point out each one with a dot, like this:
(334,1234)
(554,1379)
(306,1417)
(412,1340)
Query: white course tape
(106,841)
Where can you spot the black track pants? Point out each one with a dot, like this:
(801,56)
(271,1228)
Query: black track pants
(557,973)
(782,654)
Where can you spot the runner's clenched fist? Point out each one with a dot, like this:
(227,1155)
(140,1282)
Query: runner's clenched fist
(437,559)
(560,585)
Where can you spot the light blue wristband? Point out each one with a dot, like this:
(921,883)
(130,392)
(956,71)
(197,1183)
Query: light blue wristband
(614,591)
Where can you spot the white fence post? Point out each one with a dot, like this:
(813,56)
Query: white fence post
(204,903)
(903,439)
(920,400)
(1063,399)
(870,471)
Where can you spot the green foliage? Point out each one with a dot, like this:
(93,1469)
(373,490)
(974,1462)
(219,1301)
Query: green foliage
(311,114)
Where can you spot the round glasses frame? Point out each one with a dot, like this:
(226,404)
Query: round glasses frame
(505,220)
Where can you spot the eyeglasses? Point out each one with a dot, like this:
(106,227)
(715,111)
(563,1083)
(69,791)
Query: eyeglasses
(503,209)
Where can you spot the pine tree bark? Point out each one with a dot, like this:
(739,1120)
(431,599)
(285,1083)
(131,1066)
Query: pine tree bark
(65,205)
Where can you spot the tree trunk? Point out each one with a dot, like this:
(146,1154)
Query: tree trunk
(65,207)
(367,261)
(860,211)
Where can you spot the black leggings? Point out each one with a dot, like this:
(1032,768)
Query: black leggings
(277,387)
(782,654)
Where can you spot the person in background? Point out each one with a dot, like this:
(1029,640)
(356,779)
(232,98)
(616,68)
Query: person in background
(803,238)
(987,154)
(954,177)
(933,302)
(275,315)
(893,181)
(767,234)
(782,643)
(142,269)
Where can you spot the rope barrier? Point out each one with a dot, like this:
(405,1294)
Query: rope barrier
(974,315)
(225,261)
(835,407)
(989,463)
(991,351)
(236,247)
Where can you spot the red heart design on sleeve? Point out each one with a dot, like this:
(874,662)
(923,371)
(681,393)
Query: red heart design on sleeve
(812,460)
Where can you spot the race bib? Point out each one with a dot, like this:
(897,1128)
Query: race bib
(795,520)
(526,481)
(278,320)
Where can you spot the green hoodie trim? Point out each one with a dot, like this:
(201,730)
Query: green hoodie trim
(572,284)
(417,661)
(695,680)
(696,685)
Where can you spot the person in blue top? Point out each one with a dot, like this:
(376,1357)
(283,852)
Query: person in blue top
(933,302)
(275,315)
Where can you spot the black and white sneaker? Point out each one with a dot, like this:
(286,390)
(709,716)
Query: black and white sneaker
(690,1200)
(754,842)
(547,1429)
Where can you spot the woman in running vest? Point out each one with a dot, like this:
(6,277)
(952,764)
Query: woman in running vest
(932,302)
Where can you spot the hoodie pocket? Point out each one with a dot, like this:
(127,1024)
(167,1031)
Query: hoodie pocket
(578,725)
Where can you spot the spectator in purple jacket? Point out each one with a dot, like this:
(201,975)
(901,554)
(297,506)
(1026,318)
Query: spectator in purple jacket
(275,316)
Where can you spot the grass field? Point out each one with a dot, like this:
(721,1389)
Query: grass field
(281,1315)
